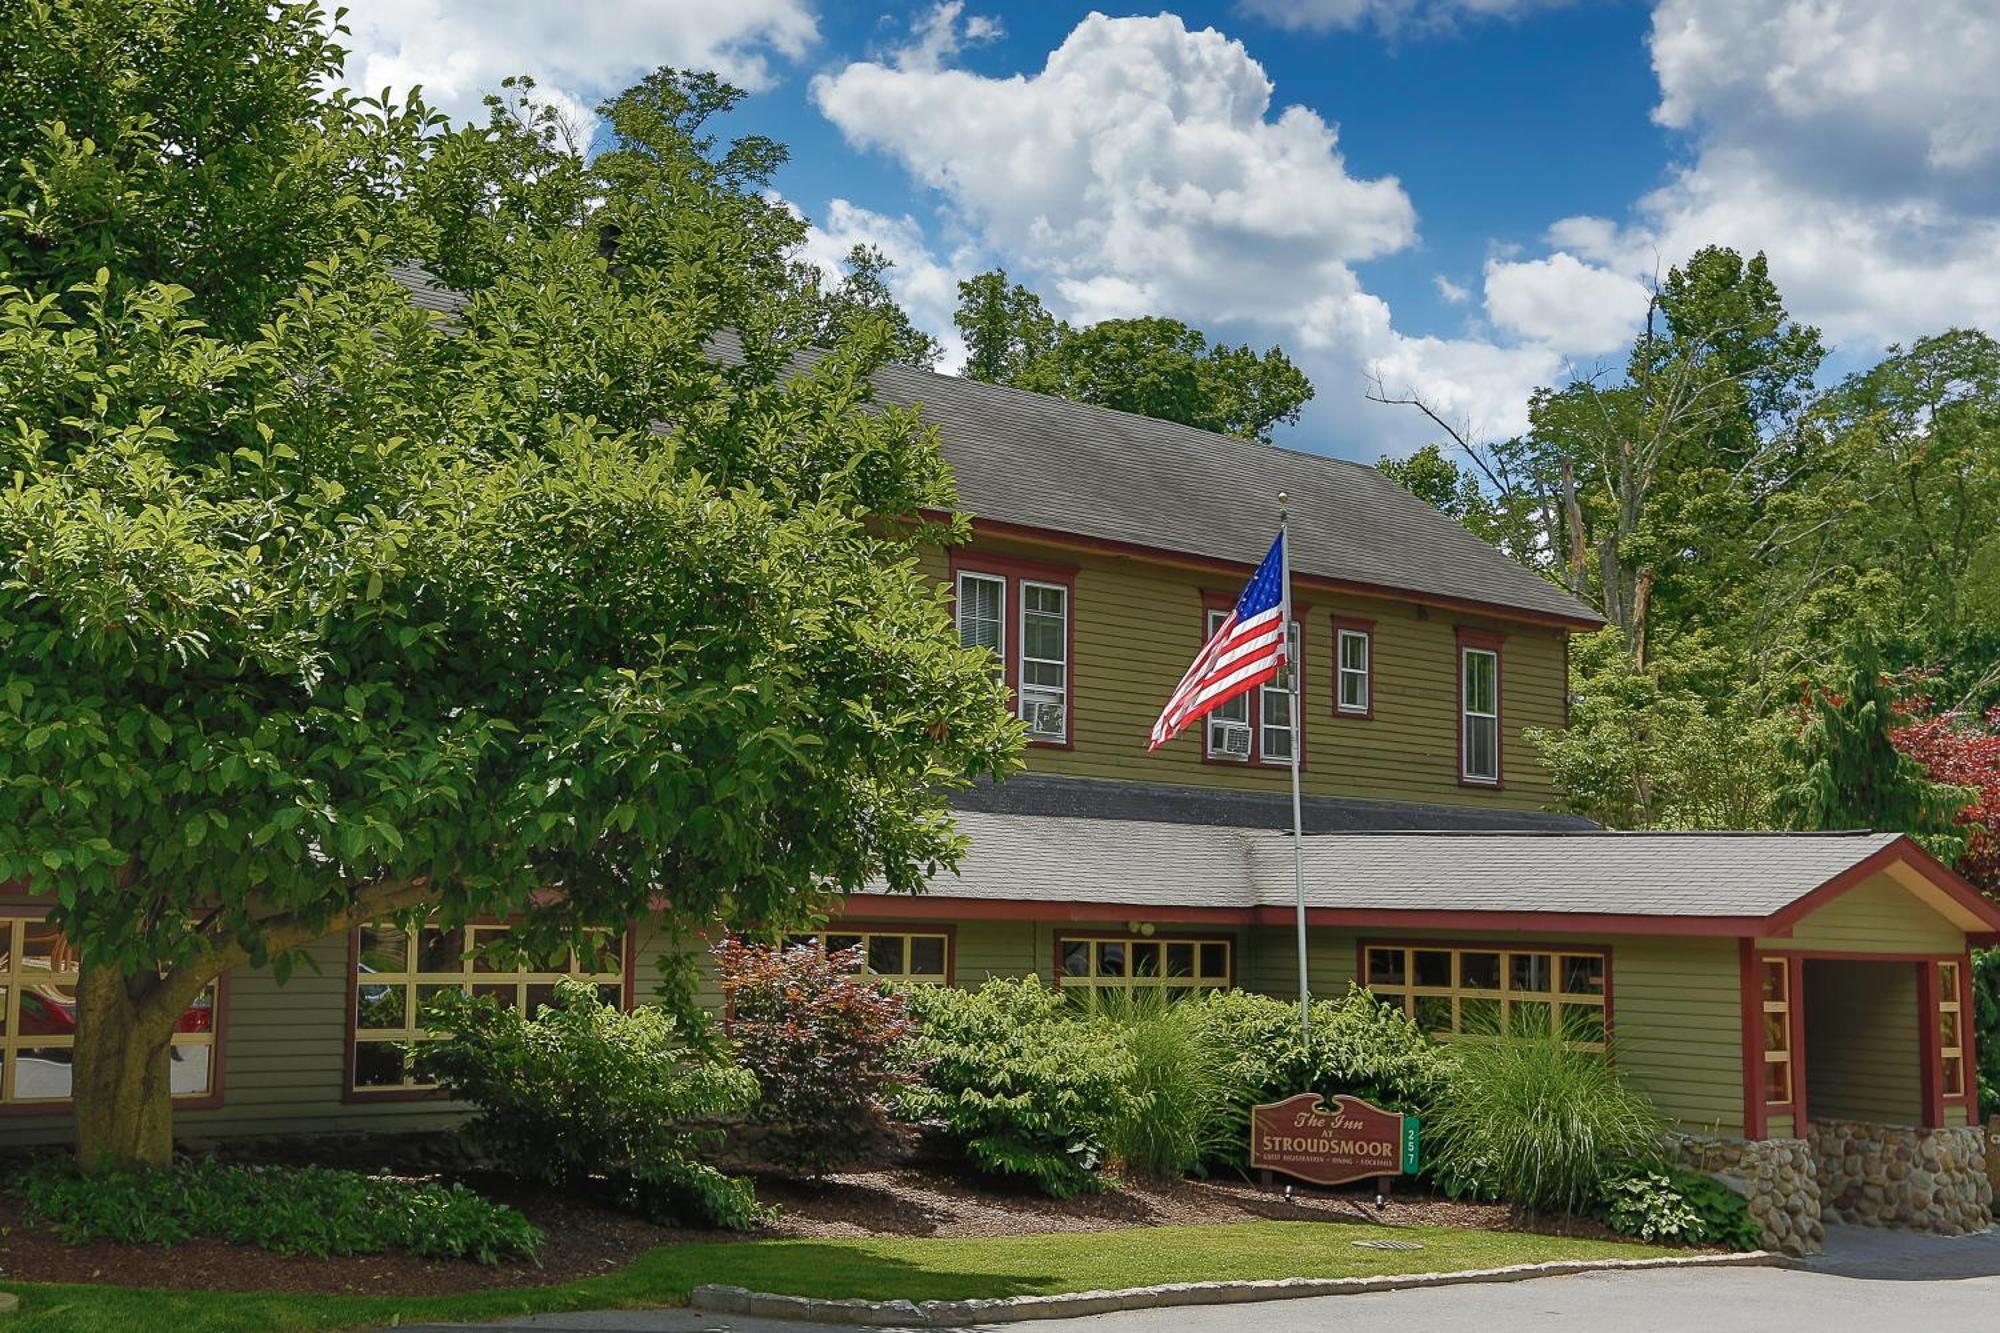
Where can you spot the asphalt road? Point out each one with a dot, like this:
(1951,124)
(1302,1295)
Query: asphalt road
(1880,1280)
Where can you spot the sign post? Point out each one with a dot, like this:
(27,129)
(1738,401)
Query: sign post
(1332,1141)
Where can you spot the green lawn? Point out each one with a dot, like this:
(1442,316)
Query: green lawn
(883,1269)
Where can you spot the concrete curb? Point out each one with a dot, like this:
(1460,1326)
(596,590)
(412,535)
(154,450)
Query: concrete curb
(715,1298)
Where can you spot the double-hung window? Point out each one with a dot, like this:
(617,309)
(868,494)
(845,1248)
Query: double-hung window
(1257,726)
(1479,711)
(1020,612)
(1043,691)
(1354,668)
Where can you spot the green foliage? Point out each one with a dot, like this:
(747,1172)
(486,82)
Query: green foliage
(839,313)
(1152,366)
(1177,1117)
(1678,1207)
(1537,1122)
(1986,1027)
(1359,1046)
(314,607)
(824,1044)
(1026,1084)
(1674,745)
(583,1089)
(291,1210)
(1849,773)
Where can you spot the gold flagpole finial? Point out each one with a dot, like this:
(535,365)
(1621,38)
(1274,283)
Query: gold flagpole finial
(1284,504)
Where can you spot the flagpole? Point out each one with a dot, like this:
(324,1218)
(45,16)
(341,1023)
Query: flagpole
(1298,736)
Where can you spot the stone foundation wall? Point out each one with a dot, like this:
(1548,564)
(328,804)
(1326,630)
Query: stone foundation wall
(1775,1176)
(1892,1176)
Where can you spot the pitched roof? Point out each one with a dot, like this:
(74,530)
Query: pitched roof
(1150,865)
(1167,803)
(1036,461)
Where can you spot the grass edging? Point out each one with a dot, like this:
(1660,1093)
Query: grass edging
(718,1298)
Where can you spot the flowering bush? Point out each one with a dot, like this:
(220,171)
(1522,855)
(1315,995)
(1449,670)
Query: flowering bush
(825,1044)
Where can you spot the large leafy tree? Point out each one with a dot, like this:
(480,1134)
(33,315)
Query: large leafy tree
(1152,366)
(316,607)
(836,310)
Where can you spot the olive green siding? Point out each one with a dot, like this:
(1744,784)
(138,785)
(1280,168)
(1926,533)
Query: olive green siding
(1877,915)
(1862,1059)
(1137,625)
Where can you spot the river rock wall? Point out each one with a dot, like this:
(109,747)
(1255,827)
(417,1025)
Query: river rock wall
(1894,1176)
(1775,1176)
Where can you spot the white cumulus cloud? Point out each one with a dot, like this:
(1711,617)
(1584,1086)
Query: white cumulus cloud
(459,50)
(1388,15)
(1573,307)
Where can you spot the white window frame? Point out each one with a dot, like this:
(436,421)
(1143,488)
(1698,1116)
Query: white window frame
(1467,716)
(1236,712)
(1279,688)
(959,609)
(1022,689)
(1363,673)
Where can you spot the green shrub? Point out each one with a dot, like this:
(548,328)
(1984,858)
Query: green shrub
(1538,1122)
(1025,1084)
(1176,1117)
(291,1210)
(1673,1205)
(583,1090)
(1360,1046)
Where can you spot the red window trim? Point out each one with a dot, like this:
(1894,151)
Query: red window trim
(1482,640)
(1011,570)
(218,1054)
(1365,628)
(1214,599)
(627,962)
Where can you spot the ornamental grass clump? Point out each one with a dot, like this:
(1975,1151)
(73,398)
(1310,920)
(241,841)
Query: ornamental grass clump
(1539,1122)
(582,1093)
(1175,1119)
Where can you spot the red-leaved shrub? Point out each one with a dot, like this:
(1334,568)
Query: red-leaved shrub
(826,1043)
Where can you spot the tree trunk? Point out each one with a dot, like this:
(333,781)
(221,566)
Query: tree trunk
(1642,607)
(124,1101)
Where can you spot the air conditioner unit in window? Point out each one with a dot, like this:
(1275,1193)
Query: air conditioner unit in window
(1231,739)
(1048,719)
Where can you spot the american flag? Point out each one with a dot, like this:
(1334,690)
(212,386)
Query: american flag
(1247,650)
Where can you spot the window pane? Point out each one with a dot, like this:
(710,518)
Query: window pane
(1076,958)
(42,1072)
(440,950)
(187,1069)
(1180,960)
(1042,637)
(1775,980)
(1948,982)
(381,1007)
(427,996)
(1482,747)
(1433,1013)
(1531,971)
(1145,958)
(1214,960)
(47,1010)
(1778,1081)
(1777,1033)
(507,995)
(1385,967)
(1954,1076)
(1044,599)
(540,996)
(1110,958)
(1479,672)
(1583,1023)
(1948,1030)
(927,956)
(3,993)
(1583,974)
(885,955)
(1353,651)
(377,1064)
(1531,1018)
(1479,971)
(1479,1017)
(384,949)
(1433,968)
(841,943)
(980,612)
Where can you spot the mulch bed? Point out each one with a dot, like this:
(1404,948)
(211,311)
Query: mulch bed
(916,1198)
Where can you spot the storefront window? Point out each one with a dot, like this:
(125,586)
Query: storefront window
(398,971)
(922,956)
(1105,964)
(1482,992)
(38,977)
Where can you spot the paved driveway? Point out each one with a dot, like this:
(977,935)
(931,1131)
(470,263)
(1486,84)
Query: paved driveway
(1867,1279)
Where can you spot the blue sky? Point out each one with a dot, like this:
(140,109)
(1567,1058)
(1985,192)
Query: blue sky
(1461,199)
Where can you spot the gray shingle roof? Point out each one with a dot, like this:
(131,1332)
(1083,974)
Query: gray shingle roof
(1029,459)
(1144,864)
(1167,803)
